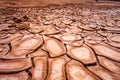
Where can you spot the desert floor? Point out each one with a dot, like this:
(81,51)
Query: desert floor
(60,42)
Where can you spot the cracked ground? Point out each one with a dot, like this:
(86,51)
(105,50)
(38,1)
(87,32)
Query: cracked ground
(69,42)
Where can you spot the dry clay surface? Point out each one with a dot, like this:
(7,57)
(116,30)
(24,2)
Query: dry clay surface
(69,42)
(30,3)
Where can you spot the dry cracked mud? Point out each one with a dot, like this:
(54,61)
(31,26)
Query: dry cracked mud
(68,42)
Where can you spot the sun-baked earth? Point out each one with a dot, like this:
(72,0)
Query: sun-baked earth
(69,42)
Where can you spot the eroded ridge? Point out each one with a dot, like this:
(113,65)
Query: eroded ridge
(68,42)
